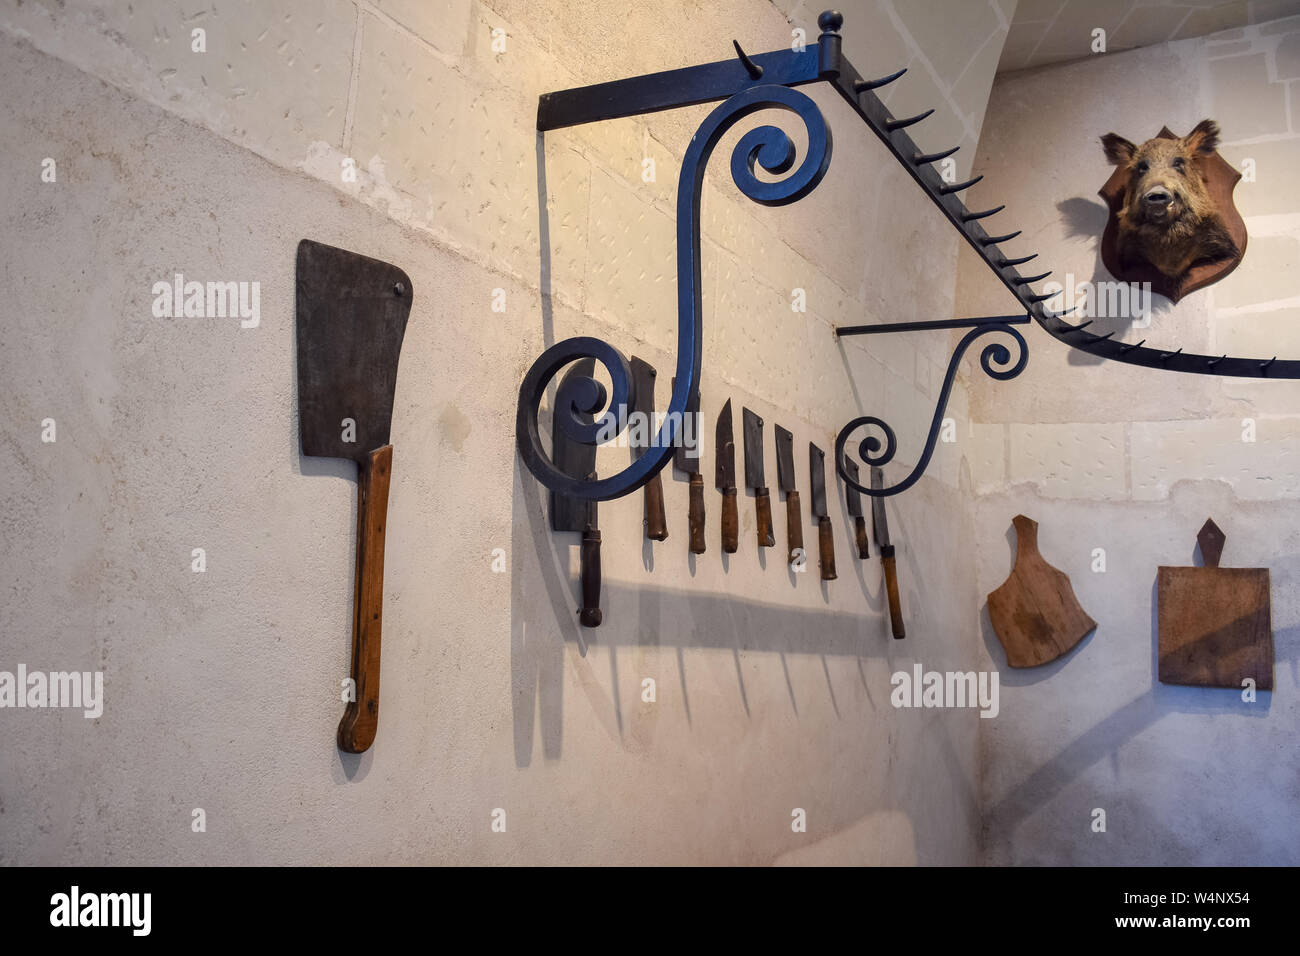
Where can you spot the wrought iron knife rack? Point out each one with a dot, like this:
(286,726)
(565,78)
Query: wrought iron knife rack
(748,84)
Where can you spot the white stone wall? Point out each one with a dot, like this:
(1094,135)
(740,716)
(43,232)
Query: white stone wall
(1132,461)
(222,688)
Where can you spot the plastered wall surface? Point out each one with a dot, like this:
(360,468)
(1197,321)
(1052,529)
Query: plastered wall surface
(222,688)
(1126,464)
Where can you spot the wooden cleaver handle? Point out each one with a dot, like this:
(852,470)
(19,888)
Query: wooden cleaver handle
(860,532)
(361,718)
(589,614)
(826,546)
(891,586)
(793,525)
(656,524)
(730,522)
(696,514)
(763,509)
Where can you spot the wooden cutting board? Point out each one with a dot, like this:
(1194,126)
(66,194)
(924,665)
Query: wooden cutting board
(1215,624)
(1034,612)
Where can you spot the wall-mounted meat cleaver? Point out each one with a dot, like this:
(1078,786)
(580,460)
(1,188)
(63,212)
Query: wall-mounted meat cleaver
(754,477)
(643,375)
(578,460)
(825,535)
(686,459)
(351,314)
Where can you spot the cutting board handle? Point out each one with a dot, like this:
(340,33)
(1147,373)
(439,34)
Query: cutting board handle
(1026,537)
(1211,540)
(361,718)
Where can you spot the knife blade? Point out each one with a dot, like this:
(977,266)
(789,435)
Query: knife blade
(643,378)
(686,458)
(574,514)
(785,480)
(855,509)
(725,479)
(825,536)
(753,426)
(880,530)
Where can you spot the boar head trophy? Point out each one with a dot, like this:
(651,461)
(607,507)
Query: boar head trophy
(1172,220)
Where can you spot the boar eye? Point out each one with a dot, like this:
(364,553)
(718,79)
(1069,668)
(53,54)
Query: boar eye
(1143,166)
(1179,163)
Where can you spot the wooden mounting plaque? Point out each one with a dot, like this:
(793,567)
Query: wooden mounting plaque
(1221,179)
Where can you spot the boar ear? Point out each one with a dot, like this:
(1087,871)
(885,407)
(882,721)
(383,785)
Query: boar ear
(1204,137)
(1118,150)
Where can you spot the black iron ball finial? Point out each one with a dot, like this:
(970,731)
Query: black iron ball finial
(830,21)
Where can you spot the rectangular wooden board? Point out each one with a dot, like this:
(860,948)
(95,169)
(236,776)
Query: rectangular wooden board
(1215,627)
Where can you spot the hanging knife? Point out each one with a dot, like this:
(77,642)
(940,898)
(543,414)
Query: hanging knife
(825,538)
(686,458)
(880,528)
(725,480)
(576,514)
(754,477)
(785,479)
(643,377)
(855,509)
(350,317)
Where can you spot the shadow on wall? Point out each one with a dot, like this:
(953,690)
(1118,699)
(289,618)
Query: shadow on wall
(537,651)
(1086,219)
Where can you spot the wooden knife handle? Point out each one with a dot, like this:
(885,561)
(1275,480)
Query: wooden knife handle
(793,525)
(891,586)
(826,545)
(730,522)
(763,508)
(656,523)
(860,532)
(589,614)
(361,718)
(696,515)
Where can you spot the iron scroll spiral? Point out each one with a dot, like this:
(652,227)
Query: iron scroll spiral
(995,359)
(766,146)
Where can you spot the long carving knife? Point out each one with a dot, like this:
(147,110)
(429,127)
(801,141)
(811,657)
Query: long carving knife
(855,509)
(575,514)
(725,480)
(825,536)
(350,317)
(643,429)
(785,480)
(880,529)
(686,459)
(754,477)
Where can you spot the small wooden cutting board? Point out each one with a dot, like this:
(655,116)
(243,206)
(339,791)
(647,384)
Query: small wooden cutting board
(1215,624)
(1034,612)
